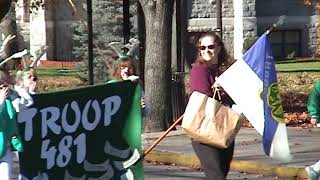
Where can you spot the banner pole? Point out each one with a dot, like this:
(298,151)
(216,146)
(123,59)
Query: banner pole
(163,136)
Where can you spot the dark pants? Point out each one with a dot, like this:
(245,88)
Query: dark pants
(214,161)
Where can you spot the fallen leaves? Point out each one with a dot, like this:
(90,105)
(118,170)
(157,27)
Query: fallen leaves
(49,84)
(295,89)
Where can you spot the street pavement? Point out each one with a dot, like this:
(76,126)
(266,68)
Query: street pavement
(176,149)
(169,172)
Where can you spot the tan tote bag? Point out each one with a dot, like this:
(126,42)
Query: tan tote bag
(208,121)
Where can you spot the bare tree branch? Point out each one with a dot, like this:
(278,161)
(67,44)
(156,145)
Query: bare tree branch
(15,56)
(6,41)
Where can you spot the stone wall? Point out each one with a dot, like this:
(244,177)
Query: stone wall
(249,8)
(314,37)
(249,19)
(202,18)
(51,27)
(207,8)
(59,18)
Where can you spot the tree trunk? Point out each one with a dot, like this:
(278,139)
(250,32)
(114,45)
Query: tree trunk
(5,5)
(158,21)
(8,26)
(26,11)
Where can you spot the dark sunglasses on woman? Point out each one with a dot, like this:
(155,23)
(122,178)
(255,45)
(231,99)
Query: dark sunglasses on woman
(209,47)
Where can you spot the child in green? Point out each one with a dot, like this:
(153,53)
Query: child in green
(8,126)
(313,171)
(314,104)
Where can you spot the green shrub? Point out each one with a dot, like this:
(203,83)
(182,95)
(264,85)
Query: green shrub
(248,42)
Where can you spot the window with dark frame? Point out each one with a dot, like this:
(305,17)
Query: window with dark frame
(286,44)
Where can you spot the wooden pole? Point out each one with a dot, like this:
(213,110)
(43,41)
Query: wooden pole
(163,136)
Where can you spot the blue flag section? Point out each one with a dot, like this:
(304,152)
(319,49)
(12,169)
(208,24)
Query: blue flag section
(260,59)
(252,84)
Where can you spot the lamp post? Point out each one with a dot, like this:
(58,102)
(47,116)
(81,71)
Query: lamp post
(219,16)
(90,43)
(126,21)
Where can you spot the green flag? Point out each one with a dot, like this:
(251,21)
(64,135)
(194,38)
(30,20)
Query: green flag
(90,132)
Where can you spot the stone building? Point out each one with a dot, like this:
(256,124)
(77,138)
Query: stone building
(242,19)
(49,25)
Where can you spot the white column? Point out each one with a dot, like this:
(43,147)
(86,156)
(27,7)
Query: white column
(37,32)
(238,28)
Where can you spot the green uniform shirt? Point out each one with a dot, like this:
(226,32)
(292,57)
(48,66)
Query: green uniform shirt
(314,102)
(8,128)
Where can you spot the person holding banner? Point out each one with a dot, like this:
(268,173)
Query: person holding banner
(212,60)
(25,86)
(124,69)
(8,126)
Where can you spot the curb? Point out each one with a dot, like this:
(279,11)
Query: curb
(188,160)
(156,135)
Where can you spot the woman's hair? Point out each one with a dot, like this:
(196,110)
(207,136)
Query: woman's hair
(116,74)
(224,59)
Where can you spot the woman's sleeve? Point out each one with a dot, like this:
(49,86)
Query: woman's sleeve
(314,102)
(200,80)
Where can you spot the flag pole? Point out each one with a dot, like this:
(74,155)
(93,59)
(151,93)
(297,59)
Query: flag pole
(270,29)
(280,22)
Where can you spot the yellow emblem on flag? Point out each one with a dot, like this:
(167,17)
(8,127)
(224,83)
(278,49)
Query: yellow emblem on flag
(275,103)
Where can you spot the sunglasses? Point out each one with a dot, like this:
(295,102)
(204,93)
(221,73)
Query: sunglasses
(209,47)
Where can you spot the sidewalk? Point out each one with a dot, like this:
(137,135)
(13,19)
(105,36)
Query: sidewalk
(176,149)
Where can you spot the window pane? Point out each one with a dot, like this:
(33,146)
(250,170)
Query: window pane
(290,48)
(276,50)
(291,37)
(275,37)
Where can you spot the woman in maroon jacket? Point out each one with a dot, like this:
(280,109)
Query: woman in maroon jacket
(212,60)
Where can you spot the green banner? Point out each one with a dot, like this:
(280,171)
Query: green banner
(87,133)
